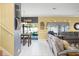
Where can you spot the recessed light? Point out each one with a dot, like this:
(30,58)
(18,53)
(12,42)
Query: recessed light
(53,8)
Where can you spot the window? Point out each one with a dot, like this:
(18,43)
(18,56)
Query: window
(58,27)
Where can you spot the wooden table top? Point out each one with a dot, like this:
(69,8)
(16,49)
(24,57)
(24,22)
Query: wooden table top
(0,51)
(73,54)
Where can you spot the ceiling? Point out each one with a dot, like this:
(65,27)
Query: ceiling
(49,9)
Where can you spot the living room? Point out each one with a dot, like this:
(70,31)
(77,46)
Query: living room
(36,21)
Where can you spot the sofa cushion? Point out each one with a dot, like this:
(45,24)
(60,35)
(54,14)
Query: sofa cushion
(51,32)
(67,46)
(59,45)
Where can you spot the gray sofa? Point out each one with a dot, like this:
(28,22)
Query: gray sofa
(57,47)
(70,35)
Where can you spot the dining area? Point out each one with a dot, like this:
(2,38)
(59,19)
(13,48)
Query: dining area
(26,33)
(26,39)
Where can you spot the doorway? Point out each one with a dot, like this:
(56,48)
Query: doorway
(34,31)
(29,30)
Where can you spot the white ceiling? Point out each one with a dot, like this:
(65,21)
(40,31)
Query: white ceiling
(46,9)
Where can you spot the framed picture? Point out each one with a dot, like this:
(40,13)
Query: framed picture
(42,25)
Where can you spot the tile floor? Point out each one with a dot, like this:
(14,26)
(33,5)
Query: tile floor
(38,48)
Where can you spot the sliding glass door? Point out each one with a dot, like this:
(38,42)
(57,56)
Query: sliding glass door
(58,27)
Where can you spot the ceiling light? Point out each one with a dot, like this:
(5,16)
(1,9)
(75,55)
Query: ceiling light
(53,8)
